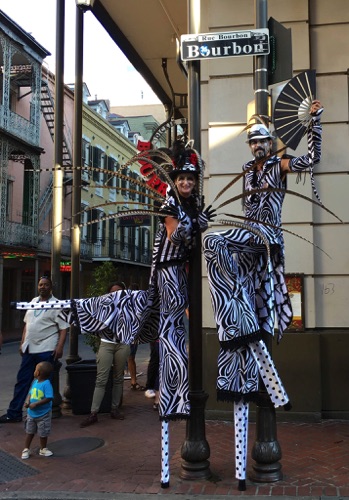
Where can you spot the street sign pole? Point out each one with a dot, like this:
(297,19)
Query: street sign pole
(195,449)
(266,451)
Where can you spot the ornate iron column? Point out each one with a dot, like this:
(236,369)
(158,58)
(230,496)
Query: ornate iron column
(195,449)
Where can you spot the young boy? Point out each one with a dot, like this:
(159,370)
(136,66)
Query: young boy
(39,413)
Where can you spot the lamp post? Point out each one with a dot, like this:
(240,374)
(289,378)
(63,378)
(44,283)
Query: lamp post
(195,449)
(85,4)
(73,355)
(76,191)
(266,450)
(57,199)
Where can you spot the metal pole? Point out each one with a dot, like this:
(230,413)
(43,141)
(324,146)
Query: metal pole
(266,450)
(76,191)
(57,200)
(73,355)
(195,449)
(57,212)
(1,288)
(261,63)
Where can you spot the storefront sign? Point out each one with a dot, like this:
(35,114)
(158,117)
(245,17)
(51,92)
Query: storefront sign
(65,266)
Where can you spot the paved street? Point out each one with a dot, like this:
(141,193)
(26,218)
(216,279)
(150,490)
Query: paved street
(126,464)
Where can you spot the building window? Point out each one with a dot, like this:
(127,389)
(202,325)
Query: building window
(92,228)
(97,164)
(86,160)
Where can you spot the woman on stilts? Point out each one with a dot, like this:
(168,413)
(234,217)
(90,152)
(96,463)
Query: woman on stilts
(182,218)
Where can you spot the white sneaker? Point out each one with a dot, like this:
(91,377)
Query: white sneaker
(45,452)
(25,454)
(149,393)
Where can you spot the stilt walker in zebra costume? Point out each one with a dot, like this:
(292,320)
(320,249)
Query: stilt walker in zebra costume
(158,312)
(245,269)
(182,218)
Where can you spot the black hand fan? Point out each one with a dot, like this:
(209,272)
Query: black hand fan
(292,108)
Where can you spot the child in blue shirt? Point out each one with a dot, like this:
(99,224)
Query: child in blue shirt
(39,409)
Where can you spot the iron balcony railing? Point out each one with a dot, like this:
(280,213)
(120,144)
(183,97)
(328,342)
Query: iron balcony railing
(19,234)
(23,235)
(19,126)
(45,243)
(115,250)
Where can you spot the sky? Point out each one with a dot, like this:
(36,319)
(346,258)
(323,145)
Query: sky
(107,72)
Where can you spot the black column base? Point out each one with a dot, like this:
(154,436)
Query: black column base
(266,450)
(195,449)
(266,473)
(195,470)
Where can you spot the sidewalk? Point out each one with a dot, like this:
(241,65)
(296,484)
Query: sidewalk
(126,465)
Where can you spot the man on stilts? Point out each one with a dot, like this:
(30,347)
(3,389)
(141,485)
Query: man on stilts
(247,285)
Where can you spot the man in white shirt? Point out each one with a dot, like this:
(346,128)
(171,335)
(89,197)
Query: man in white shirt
(43,338)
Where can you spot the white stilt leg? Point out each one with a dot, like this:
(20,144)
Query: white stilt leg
(269,374)
(165,454)
(241,438)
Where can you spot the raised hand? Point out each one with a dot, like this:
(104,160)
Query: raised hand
(210,213)
(316,108)
(205,217)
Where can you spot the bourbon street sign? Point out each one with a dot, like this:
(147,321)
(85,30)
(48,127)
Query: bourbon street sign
(225,44)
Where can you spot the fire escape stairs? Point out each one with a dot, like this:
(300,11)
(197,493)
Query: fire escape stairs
(47,108)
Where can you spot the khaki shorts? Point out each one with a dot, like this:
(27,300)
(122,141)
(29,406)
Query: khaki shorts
(40,425)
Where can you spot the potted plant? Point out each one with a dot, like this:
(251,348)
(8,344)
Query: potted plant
(102,276)
(82,374)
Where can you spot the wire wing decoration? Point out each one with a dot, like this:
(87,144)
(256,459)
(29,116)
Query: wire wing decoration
(292,108)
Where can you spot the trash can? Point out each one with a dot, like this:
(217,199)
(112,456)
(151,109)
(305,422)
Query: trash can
(82,381)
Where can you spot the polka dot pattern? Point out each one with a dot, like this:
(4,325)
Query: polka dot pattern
(165,452)
(241,436)
(269,374)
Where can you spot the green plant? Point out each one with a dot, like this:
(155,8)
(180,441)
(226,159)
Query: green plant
(102,276)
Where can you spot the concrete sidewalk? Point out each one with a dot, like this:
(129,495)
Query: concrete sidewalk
(124,461)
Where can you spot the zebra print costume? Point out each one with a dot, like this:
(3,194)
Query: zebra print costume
(169,276)
(247,300)
(127,316)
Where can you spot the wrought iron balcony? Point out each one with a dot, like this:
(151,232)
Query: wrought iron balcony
(20,235)
(106,249)
(115,250)
(45,243)
(20,127)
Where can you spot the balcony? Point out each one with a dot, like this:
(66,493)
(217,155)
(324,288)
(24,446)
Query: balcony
(45,243)
(17,234)
(112,249)
(22,235)
(18,126)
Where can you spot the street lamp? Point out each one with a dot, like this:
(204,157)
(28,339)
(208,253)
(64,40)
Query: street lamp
(85,4)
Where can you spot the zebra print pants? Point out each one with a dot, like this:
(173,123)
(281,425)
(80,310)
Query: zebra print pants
(173,377)
(239,315)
